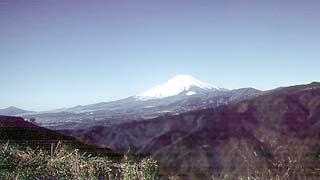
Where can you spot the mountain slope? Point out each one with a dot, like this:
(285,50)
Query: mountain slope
(224,139)
(130,109)
(180,94)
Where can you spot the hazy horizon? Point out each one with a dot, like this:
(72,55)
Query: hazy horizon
(62,107)
(62,54)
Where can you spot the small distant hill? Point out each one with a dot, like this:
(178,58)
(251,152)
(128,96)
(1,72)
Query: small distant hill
(13,111)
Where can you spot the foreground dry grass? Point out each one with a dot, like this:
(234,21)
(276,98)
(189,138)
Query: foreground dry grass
(62,163)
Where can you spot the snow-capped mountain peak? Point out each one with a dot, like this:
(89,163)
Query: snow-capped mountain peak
(175,86)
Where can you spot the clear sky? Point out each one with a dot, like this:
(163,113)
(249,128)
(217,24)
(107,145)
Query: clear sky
(62,53)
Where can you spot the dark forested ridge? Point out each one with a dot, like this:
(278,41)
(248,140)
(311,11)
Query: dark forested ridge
(280,126)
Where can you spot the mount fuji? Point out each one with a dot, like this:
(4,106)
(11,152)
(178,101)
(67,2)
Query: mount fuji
(180,84)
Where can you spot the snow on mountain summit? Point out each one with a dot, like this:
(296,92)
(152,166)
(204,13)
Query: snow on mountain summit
(178,84)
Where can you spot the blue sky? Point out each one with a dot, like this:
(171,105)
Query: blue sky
(56,54)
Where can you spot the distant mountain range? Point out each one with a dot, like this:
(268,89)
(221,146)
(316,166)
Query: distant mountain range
(180,94)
